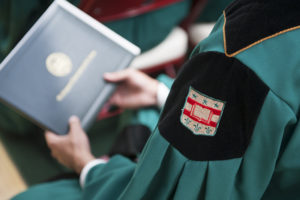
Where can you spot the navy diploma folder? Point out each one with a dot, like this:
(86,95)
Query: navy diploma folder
(56,70)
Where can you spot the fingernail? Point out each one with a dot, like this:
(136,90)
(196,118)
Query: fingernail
(107,74)
(73,118)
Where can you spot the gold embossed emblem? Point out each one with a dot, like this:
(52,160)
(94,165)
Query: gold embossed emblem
(76,76)
(59,64)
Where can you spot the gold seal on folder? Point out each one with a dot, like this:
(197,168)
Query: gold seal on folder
(59,64)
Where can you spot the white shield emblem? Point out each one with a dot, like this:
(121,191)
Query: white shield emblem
(201,114)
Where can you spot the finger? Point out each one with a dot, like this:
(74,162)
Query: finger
(124,103)
(115,100)
(117,76)
(75,125)
(52,138)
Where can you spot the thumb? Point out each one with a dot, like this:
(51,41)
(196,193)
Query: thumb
(117,76)
(52,138)
(75,125)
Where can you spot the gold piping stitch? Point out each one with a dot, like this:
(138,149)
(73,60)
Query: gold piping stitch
(224,35)
(254,43)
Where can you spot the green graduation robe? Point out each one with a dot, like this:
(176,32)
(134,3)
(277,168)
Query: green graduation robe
(229,129)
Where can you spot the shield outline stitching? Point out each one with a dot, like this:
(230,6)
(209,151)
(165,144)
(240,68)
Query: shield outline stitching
(208,97)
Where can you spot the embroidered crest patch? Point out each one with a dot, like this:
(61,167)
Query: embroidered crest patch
(201,114)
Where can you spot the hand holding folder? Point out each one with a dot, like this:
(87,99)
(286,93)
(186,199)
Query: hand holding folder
(56,70)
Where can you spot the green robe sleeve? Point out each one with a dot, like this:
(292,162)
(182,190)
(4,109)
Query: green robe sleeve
(111,177)
(63,189)
(168,81)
